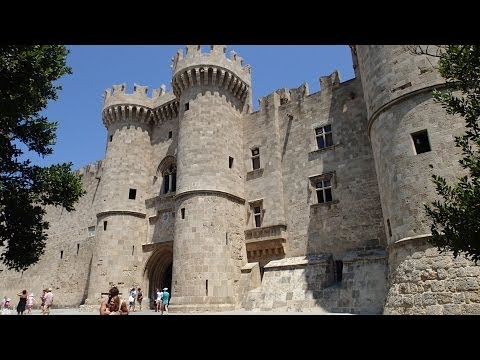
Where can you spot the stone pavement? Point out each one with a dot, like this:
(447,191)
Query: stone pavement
(78,311)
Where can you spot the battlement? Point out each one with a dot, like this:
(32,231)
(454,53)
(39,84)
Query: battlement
(118,96)
(91,169)
(216,57)
(213,68)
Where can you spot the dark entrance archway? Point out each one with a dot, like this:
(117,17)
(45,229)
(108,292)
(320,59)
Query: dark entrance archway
(159,271)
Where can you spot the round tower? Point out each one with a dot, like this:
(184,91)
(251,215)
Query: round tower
(412,138)
(208,249)
(121,192)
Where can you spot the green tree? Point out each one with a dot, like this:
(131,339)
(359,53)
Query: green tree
(456,219)
(27,75)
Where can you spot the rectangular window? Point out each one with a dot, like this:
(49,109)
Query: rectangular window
(182,210)
(187,106)
(324,191)
(257,215)
(230,162)
(132,194)
(420,140)
(104,226)
(110,138)
(170,134)
(256,158)
(324,136)
(91,231)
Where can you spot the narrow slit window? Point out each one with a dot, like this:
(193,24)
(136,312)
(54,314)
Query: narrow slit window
(338,270)
(182,211)
(256,158)
(110,138)
(132,194)
(187,106)
(170,134)
(230,162)
(61,254)
(133,249)
(324,136)
(389,228)
(78,248)
(206,287)
(104,226)
(421,142)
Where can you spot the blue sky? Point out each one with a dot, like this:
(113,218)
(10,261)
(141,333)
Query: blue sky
(81,135)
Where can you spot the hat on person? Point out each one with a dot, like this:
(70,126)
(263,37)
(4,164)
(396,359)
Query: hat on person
(165,289)
(49,289)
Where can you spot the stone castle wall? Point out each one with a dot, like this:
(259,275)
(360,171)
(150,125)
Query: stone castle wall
(424,282)
(332,256)
(66,264)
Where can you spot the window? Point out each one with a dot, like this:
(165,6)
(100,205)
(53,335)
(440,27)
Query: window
(230,162)
(257,215)
(324,136)
(110,138)
(256,212)
(256,158)
(170,179)
(338,271)
(324,191)
(91,231)
(170,134)
(104,226)
(322,185)
(187,106)
(389,228)
(420,140)
(132,194)
(182,211)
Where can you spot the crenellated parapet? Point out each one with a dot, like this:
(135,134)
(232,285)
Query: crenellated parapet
(92,169)
(136,107)
(213,68)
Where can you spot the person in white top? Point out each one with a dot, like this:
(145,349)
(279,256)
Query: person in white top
(30,301)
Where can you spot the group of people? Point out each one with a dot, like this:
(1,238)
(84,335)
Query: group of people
(114,305)
(26,302)
(135,295)
(161,301)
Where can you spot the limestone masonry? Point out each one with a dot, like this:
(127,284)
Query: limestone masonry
(314,200)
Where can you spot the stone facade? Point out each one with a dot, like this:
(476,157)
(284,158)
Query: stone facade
(221,204)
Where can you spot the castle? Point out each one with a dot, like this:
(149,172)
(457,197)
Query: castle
(313,201)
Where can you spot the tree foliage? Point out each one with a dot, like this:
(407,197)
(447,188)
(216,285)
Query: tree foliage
(456,219)
(27,75)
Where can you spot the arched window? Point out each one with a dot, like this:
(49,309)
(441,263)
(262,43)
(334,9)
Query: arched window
(167,170)
(170,179)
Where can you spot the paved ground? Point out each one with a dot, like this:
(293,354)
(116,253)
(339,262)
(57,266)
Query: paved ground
(153,313)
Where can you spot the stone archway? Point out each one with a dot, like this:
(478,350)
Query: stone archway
(158,271)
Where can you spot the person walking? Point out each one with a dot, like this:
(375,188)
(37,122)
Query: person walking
(165,300)
(159,300)
(48,302)
(139,298)
(22,302)
(30,301)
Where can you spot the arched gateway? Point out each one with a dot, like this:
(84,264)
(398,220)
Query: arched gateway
(158,270)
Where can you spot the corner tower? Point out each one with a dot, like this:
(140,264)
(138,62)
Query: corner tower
(122,191)
(412,138)
(208,250)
